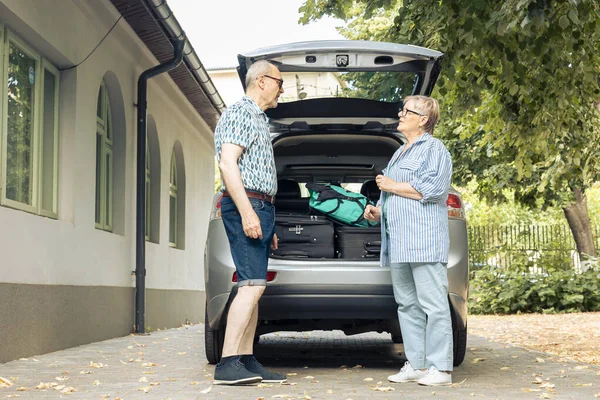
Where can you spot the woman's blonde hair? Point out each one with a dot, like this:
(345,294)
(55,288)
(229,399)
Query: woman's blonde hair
(428,107)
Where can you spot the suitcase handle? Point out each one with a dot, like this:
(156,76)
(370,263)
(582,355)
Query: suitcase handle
(295,253)
(372,247)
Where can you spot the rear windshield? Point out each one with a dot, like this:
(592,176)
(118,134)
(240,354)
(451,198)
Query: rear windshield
(380,86)
(351,187)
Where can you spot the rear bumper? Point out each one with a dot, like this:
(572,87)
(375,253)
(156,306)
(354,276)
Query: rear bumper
(325,289)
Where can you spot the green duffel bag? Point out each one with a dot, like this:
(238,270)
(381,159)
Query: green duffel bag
(339,204)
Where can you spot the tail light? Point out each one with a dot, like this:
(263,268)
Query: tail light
(216,210)
(270,276)
(455,206)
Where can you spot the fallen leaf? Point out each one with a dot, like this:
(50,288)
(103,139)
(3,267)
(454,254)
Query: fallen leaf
(548,385)
(584,384)
(96,383)
(384,389)
(154,383)
(292,374)
(22,389)
(182,353)
(457,384)
(264,385)
(544,396)
(85,372)
(194,383)
(307,397)
(329,391)
(10,396)
(68,389)
(308,377)
(5,383)
(288,383)
(96,365)
(505,368)
(540,360)
(62,378)
(579,367)
(477,360)
(526,390)
(206,390)
(122,362)
(144,389)
(143,379)
(281,396)
(368,379)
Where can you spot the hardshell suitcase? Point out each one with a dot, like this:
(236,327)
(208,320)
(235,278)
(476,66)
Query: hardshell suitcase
(304,236)
(357,243)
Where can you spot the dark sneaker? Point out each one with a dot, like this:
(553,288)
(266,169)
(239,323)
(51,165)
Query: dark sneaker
(253,365)
(233,372)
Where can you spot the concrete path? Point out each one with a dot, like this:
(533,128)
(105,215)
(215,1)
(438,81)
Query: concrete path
(170,364)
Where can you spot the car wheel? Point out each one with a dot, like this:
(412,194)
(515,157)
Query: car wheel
(460,345)
(213,341)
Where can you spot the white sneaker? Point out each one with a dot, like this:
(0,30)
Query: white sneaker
(434,377)
(407,374)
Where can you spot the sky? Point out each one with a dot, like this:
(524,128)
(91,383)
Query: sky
(219,30)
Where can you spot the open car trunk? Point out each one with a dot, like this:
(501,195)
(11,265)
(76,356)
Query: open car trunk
(350,159)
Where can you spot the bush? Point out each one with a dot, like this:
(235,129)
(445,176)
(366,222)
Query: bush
(502,291)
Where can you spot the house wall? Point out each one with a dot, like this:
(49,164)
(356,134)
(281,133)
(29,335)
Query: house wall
(63,282)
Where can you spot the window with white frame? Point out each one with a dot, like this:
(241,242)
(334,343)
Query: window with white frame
(173,202)
(104,161)
(29,129)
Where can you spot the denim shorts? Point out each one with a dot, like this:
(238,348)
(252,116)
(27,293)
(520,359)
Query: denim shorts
(250,256)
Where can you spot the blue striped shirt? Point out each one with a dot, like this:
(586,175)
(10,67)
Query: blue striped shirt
(417,230)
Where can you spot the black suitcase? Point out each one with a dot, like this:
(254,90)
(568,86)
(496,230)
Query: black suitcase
(304,236)
(353,243)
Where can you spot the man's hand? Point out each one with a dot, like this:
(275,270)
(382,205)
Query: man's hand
(274,244)
(251,225)
(385,184)
(372,213)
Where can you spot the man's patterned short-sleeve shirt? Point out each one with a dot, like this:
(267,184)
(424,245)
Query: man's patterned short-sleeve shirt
(246,125)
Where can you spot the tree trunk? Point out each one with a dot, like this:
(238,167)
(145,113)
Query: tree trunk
(579,221)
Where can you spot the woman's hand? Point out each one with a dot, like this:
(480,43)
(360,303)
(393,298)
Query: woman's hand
(385,184)
(372,213)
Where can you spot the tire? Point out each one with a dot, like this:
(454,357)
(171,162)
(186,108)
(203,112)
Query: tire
(213,341)
(459,337)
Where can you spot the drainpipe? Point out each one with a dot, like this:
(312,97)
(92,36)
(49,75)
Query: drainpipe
(140,233)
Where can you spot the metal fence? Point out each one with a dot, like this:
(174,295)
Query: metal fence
(534,246)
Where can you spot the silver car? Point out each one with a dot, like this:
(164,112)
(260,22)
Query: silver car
(336,123)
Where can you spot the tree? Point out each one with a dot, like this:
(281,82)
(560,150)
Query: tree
(519,90)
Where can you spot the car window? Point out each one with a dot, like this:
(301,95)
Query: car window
(380,86)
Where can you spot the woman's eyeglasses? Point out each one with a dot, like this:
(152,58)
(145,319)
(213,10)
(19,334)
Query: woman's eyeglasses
(404,112)
(279,81)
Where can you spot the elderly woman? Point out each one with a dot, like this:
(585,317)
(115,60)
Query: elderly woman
(414,226)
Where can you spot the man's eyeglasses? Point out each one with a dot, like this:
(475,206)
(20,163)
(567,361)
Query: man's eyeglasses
(404,112)
(279,81)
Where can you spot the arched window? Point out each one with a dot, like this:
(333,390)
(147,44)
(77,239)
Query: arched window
(153,172)
(177,198)
(104,161)
(173,202)
(148,192)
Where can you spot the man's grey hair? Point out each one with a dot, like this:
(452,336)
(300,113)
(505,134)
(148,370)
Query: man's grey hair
(256,70)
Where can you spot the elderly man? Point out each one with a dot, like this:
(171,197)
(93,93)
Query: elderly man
(245,155)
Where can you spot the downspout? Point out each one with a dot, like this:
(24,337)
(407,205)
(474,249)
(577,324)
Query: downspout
(140,234)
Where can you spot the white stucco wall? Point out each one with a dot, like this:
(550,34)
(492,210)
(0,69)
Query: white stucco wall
(70,250)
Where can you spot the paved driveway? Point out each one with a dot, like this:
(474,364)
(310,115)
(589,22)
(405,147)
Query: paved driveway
(170,364)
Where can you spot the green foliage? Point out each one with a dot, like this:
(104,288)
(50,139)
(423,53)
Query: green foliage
(501,291)
(519,86)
